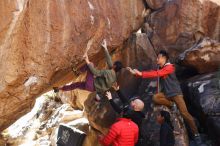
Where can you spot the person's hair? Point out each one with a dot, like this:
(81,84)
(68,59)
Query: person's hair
(117,66)
(166,116)
(164,53)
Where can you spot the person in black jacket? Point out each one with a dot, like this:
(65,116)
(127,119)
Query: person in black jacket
(166,129)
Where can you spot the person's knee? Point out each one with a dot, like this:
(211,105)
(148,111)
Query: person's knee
(186,115)
(155,99)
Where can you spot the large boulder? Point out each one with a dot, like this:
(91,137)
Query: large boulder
(204,56)
(40,41)
(180,23)
(202,94)
(100,114)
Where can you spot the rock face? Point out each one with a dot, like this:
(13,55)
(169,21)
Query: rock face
(139,53)
(136,53)
(204,57)
(203,97)
(75,98)
(100,114)
(40,41)
(180,23)
(155,4)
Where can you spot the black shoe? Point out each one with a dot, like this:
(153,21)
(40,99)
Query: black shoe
(198,140)
(55,89)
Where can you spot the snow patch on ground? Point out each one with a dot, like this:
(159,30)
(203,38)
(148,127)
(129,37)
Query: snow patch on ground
(16,129)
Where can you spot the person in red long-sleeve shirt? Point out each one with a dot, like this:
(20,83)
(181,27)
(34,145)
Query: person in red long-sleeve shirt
(169,91)
(122,133)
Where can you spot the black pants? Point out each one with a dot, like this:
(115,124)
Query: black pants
(141,142)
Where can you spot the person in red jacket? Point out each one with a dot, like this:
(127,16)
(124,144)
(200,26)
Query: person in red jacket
(122,133)
(169,91)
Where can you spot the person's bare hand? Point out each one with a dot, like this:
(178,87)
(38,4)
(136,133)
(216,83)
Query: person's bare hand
(116,86)
(137,72)
(128,68)
(86,58)
(109,95)
(104,44)
(131,70)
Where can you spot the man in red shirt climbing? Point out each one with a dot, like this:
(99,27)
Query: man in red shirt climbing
(169,91)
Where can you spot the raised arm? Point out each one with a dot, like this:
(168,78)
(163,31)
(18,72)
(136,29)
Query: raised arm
(161,72)
(124,99)
(94,71)
(107,55)
(155,73)
(113,104)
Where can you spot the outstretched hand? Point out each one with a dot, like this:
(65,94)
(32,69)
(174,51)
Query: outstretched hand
(134,71)
(130,70)
(109,95)
(86,58)
(137,72)
(116,86)
(104,44)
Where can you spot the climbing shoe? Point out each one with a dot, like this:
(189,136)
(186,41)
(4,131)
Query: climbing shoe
(55,89)
(198,140)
